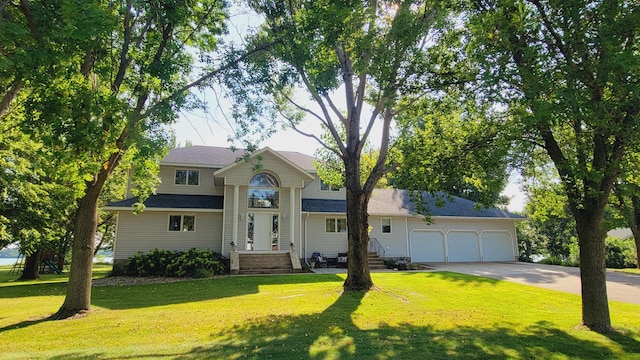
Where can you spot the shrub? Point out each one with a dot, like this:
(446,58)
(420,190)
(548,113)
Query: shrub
(551,261)
(159,262)
(620,253)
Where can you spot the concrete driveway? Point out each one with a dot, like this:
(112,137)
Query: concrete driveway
(620,286)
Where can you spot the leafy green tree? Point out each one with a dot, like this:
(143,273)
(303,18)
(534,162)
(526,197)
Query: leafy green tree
(126,68)
(547,210)
(627,199)
(331,168)
(454,146)
(37,200)
(569,74)
(358,53)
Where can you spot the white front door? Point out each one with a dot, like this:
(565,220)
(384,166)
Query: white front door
(262,230)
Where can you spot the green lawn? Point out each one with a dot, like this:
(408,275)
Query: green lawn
(629,271)
(410,315)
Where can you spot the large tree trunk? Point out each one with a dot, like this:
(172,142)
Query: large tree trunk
(78,297)
(358,276)
(31,269)
(593,273)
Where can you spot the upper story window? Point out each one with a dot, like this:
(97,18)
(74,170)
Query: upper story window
(328,187)
(264,192)
(187,177)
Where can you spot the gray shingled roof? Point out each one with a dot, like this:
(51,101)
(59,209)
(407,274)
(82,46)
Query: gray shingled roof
(383,202)
(324,205)
(219,157)
(398,203)
(171,201)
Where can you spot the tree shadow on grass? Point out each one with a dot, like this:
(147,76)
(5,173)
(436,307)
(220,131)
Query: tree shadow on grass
(342,331)
(333,334)
(141,296)
(23,324)
(453,277)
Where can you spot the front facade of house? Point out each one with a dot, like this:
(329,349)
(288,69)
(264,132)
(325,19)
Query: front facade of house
(274,200)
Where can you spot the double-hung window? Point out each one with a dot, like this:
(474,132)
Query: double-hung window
(182,223)
(335,225)
(187,177)
(328,187)
(386,225)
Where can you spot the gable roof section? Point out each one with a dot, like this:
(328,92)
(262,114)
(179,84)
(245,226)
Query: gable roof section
(220,157)
(171,201)
(260,153)
(398,203)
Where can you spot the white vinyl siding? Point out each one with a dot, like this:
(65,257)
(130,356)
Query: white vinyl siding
(148,230)
(242,173)
(312,191)
(206,185)
(395,243)
(329,244)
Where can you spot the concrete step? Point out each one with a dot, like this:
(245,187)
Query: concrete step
(265,263)
(375,262)
(268,272)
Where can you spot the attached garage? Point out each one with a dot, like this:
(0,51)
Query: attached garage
(463,246)
(497,246)
(427,246)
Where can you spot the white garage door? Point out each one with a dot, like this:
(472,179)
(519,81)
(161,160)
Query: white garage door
(497,246)
(463,246)
(427,246)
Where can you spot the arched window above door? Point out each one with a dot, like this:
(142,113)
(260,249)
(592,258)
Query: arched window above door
(264,192)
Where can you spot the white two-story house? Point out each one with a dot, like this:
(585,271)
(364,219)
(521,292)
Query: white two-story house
(275,203)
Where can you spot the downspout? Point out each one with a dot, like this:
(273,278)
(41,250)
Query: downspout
(305,240)
(292,217)
(406,231)
(115,240)
(234,220)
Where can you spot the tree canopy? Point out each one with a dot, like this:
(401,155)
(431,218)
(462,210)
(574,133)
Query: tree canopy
(354,60)
(103,79)
(569,74)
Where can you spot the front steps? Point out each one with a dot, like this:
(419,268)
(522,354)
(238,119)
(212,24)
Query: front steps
(375,263)
(265,263)
(281,263)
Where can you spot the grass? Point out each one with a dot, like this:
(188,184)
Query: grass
(411,315)
(629,271)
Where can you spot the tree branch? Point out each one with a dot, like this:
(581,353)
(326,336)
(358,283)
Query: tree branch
(125,59)
(208,76)
(10,95)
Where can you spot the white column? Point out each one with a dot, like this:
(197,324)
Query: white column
(234,221)
(292,214)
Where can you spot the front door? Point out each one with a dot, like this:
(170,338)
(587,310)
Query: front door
(262,231)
